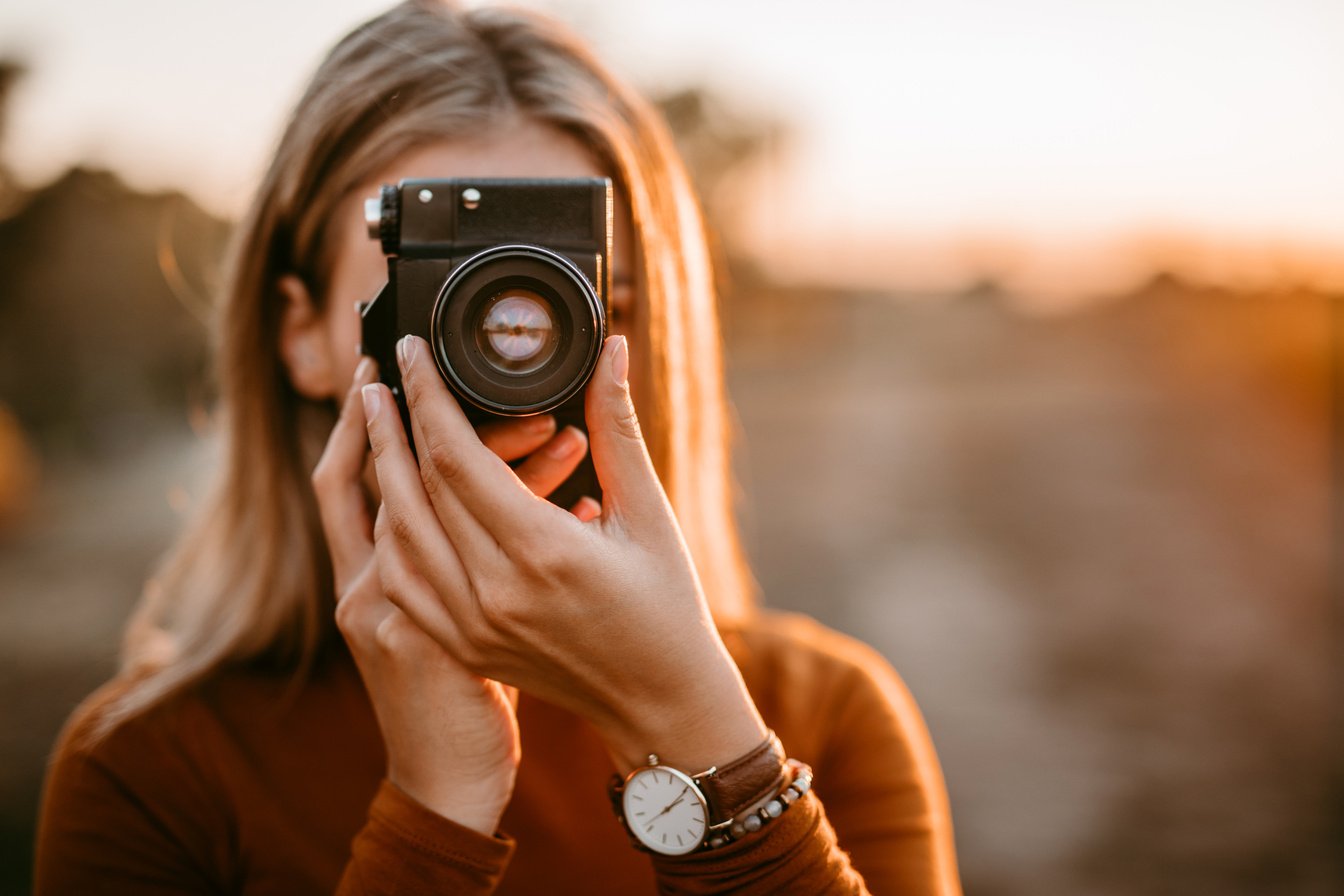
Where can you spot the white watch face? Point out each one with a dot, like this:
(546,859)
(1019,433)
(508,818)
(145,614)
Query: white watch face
(665,810)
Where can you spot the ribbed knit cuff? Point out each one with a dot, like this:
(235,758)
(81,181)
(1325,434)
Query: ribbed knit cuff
(405,848)
(795,853)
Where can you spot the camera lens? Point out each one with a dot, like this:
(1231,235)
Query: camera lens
(517,329)
(516,332)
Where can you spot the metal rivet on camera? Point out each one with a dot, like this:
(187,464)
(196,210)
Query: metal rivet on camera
(425,195)
(471,197)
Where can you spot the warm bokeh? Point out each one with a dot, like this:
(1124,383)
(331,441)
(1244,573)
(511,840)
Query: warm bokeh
(1031,313)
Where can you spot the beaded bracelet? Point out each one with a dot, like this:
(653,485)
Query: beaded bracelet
(759,815)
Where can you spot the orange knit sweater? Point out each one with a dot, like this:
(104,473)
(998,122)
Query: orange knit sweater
(249,785)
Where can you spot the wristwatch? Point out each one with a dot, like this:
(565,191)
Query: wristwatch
(667,811)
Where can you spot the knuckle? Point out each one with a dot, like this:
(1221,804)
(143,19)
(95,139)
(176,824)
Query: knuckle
(394,586)
(353,405)
(397,523)
(431,480)
(377,443)
(479,637)
(471,656)
(627,422)
(501,616)
(541,558)
(410,383)
(350,609)
(322,478)
(443,463)
(389,634)
(345,615)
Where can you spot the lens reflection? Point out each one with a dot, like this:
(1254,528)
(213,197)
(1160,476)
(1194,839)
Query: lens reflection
(517,333)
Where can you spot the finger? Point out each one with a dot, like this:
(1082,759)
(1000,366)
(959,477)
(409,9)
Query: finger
(469,538)
(512,439)
(510,694)
(337,486)
(630,486)
(362,607)
(461,473)
(544,471)
(586,509)
(407,589)
(406,514)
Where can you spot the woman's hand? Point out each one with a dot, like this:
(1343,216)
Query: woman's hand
(603,617)
(451,736)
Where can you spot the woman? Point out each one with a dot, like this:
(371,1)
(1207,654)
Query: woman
(497,658)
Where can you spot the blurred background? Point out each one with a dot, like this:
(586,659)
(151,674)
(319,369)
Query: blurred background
(1032,311)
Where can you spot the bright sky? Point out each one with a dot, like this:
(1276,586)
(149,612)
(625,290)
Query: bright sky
(923,122)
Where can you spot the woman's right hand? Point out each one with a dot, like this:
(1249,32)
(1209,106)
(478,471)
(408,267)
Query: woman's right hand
(451,736)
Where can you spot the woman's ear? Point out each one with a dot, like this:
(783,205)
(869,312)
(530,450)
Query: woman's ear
(304,347)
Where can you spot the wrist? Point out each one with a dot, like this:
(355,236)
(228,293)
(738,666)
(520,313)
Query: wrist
(717,805)
(478,804)
(709,724)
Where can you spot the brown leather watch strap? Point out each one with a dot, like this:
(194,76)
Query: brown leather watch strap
(734,787)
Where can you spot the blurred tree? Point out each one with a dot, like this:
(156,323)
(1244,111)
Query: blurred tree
(18,462)
(721,145)
(96,343)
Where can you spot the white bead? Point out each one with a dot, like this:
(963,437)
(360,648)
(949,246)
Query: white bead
(774,808)
(753,823)
(737,829)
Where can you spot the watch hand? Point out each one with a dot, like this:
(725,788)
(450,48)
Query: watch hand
(672,805)
(665,811)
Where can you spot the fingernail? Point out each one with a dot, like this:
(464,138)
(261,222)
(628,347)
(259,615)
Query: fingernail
(620,361)
(540,424)
(563,445)
(587,508)
(371,400)
(406,352)
(365,369)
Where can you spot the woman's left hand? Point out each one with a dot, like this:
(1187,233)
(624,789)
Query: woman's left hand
(604,618)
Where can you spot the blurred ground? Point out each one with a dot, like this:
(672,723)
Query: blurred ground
(1096,548)
(67,583)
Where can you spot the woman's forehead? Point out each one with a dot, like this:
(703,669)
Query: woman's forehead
(516,147)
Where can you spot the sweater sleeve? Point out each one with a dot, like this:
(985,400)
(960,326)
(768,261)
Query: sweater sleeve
(796,853)
(132,812)
(102,830)
(406,848)
(876,819)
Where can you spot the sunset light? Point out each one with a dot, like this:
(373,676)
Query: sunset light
(909,132)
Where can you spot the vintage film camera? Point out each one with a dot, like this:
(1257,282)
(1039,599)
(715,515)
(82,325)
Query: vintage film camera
(508,282)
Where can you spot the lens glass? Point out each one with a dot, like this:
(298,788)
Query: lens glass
(516,331)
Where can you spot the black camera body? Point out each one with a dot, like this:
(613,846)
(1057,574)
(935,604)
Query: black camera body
(508,280)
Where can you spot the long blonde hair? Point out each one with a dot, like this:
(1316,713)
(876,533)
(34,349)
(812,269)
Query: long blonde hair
(250,578)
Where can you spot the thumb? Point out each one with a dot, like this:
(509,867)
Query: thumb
(630,487)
